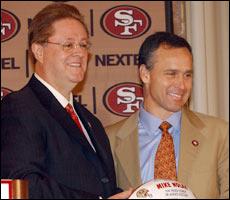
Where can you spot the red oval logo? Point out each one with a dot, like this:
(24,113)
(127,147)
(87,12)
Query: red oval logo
(10,25)
(125,22)
(123,99)
(4,92)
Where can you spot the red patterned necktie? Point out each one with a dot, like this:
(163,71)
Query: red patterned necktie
(165,162)
(73,115)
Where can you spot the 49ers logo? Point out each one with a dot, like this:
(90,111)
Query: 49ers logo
(125,22)
(10,25)
(123,99)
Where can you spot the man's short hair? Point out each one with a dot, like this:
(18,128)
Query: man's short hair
(154,41)
(41,29)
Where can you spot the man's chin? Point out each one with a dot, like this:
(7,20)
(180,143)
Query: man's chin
(77,80)
(175,108)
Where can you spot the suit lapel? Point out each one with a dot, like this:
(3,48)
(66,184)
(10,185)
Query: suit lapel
(190,145)
(51,104)
(127,150)
(91,129)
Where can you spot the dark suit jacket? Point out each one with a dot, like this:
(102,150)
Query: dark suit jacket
(41,143)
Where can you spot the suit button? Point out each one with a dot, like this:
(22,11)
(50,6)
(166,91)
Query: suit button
(104,180)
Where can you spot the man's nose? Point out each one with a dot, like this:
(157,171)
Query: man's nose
(180,82)
(77,49)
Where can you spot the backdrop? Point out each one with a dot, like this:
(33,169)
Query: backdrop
(111,89)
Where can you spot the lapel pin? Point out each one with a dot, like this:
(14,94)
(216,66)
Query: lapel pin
(195,143)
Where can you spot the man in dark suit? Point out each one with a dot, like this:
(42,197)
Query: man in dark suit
(40,141)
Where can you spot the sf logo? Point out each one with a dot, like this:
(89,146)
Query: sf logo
(125,19)
(127,96)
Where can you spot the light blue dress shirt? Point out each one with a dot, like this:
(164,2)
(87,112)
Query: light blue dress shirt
(149,139)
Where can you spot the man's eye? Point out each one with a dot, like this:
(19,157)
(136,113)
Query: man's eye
(69,45)
(188,75)
(84,45)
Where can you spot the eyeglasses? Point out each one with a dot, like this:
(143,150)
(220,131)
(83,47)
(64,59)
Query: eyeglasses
(70,46)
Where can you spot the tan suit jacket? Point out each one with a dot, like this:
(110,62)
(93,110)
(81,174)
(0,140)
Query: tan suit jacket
(203,168)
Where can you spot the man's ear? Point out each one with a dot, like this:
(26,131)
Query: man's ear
(37,50)
(144,73)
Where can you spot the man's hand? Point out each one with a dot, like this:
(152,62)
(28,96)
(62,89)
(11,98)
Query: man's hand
(123,195)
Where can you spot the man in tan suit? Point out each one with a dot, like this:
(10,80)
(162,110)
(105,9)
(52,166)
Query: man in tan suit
(201,142)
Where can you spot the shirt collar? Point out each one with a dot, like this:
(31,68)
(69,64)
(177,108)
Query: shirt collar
(175,120)
(61,99)
(151,123)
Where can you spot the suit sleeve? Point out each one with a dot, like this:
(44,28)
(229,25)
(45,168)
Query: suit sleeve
(23,155)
